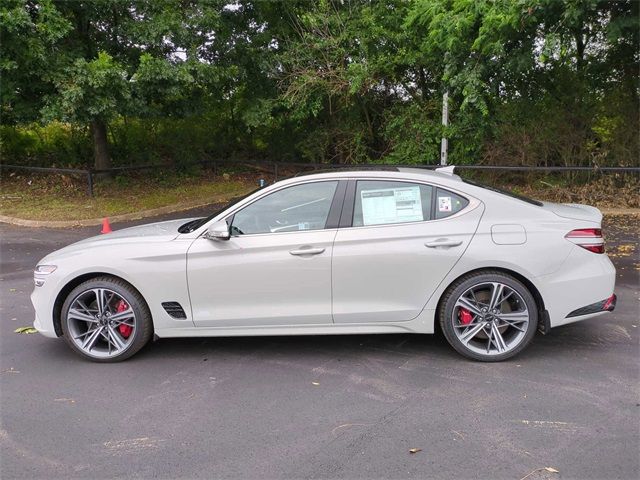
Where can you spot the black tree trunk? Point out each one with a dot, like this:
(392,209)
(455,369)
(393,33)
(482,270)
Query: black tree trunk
(102,160)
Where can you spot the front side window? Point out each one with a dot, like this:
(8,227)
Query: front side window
(292,209)
(385,202)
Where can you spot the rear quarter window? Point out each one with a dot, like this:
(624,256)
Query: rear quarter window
(448,203)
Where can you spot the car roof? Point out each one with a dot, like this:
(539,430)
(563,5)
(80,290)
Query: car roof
(439,175)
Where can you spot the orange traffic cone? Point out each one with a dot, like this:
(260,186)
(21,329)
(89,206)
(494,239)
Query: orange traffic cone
(106,228)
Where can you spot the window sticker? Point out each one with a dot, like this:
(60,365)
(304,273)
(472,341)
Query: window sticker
(391,205)
(444,204)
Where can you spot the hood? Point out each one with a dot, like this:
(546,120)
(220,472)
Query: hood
(575,211)
(160,231)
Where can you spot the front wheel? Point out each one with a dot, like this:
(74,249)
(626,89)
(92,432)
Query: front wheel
(488,316)
(106,320)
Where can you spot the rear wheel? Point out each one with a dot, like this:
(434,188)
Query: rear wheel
(106,320)
(488,316)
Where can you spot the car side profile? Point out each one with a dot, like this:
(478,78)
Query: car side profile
(345,252)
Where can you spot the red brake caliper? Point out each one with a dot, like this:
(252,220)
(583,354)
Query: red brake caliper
(125,330)
(465,316)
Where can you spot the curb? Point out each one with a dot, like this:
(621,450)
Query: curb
(126,217)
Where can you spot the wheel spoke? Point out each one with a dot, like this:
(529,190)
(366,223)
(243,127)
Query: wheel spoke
(129,322)
(120,316)
(473,323)
(100,304)
(516,320)
(517,317)
(517,327)
(467,303)
(105,335)
(85,317)
(91,339)
(116,339)
(469,334)
(496,338)
(107,303)
(496,295)
(504,299)
(473,295)
(84,307)
(84,334)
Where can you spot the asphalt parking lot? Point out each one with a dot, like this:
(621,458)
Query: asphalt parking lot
(318,407)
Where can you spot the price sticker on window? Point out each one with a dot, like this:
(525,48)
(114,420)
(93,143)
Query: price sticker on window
(444,204)
(391,205)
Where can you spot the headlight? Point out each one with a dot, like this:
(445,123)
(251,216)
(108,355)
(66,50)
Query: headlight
(45,269)
(42,271)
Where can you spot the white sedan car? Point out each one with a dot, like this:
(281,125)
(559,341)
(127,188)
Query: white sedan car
(349,252)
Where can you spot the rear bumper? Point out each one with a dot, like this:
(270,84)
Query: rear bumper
(576,291)
(607,305)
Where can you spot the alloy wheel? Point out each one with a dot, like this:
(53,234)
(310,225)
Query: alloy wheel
(101,323)
(490,318)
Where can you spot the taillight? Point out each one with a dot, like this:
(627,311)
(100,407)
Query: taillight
(585,233)
(587,238)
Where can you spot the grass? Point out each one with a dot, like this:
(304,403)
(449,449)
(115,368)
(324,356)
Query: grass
(49,198)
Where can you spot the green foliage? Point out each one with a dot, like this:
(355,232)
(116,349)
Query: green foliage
(87,90)
(58,144)
(536,82)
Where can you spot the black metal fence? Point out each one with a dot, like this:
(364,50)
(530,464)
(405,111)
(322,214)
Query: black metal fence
(91,174)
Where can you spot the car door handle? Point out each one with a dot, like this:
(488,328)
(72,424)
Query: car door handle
(307,251)
(443,242)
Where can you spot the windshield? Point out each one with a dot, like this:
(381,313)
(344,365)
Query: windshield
(198,222)
(517,196)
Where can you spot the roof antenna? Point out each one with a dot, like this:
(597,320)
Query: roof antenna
(448,170)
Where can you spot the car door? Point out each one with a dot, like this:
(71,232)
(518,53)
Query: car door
(276,267)
(399,241)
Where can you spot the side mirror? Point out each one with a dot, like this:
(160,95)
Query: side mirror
(218,231)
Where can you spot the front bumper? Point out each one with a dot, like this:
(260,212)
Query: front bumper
(43,298)
(43,330)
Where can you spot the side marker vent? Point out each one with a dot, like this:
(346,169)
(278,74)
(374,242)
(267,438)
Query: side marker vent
(174,309)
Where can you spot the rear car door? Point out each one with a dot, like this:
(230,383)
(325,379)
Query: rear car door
(397,241)
(276,267)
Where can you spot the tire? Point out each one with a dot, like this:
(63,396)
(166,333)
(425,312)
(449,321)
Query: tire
(123,328)
(484,329)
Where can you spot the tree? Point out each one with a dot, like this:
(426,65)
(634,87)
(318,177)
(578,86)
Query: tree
(555,60)
(88,62)
(532,81)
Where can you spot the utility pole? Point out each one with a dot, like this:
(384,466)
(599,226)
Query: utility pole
(445,121)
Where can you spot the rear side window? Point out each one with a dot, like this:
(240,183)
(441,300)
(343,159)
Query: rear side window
(384,202)
(448,203)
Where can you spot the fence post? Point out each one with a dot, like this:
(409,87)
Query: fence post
(275,171)
(444,147)
(90,183)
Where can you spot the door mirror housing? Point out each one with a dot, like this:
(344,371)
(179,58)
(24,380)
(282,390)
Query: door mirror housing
(218,231)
